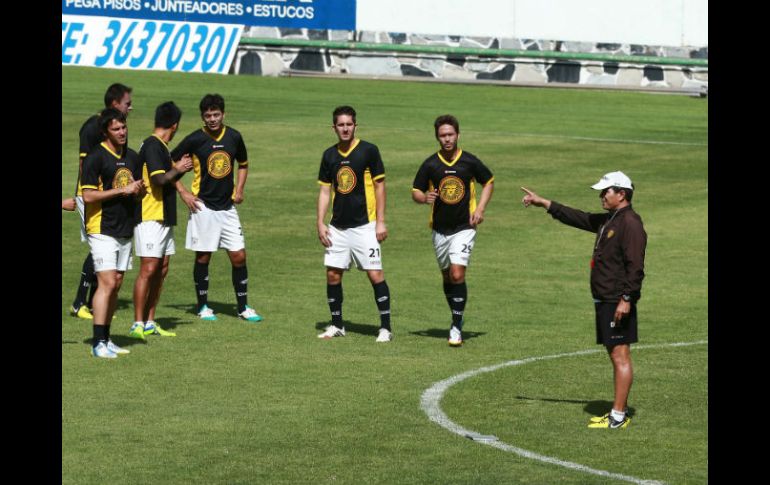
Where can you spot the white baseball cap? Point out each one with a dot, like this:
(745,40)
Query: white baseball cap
(613,179)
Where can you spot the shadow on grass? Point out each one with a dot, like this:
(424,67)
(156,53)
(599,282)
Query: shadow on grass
(126,341)
(219,308)
(168,323)
(443,333)
(120,340)
(594,408)
(350,327)
(124,303)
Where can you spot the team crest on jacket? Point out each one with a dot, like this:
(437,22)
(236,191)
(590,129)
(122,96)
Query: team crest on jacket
(122,178)
(346,180)
(451,190)
(219,165)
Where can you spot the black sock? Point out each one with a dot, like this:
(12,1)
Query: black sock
(447,291)
(99,334)
(92,291)
(240,284)
(382,297)
(86,277)
(107,331)
(201,278)
(457,296)
(334,297)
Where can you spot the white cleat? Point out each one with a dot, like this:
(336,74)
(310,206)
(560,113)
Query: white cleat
(331,332)
(385,335)
(455,337)
(114,348)
(102,351)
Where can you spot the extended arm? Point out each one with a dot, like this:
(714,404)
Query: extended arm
(533,199)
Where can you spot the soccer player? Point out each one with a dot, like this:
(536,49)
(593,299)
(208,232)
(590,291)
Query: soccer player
(352,168)
(214,221)
(447,180)
(617,271)
(118,96)
(156,218)
(109,191)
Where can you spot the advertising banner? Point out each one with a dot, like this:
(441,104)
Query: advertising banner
(148,44)
(310,14)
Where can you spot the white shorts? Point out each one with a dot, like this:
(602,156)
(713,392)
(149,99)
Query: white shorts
(110,253)
(153,240)
(357,244)
(82,211)
(209,230)
(454,249)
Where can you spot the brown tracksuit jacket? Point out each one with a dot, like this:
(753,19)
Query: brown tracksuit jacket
(617,265)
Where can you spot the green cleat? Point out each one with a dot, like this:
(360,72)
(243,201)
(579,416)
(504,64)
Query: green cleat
(136,331)
(207,314)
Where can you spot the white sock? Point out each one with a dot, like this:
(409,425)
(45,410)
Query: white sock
(617,415)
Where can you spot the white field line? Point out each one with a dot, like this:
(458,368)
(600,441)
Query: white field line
(610,140)
(511,134)
(431,398)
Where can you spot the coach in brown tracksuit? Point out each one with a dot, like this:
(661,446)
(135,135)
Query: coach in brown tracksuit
(617,271)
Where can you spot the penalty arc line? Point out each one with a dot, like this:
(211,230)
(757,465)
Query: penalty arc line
(429,403)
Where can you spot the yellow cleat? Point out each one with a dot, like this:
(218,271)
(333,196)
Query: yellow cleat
(597,419)
(82,312)
(608,422)
(152,328)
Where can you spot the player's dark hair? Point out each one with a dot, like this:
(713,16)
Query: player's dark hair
(212,101)
(107,116)
(446,120)
(115,93)
(167,114)
(343,110)
(629,192)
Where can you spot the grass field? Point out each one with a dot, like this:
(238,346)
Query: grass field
(238,403)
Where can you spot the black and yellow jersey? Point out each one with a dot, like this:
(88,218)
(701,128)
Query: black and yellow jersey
(455,181)
(160,202)
(90,136)
(104,169)
(213,164)
(351,175)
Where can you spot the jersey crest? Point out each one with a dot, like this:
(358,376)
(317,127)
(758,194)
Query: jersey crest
(219,164)
(346,180)
(451,190)
(122,178)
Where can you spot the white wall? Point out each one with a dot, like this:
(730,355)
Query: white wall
(651,22)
